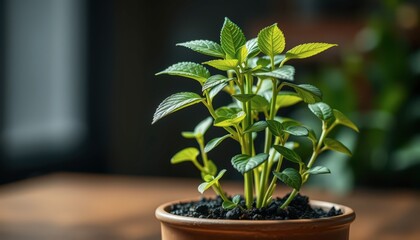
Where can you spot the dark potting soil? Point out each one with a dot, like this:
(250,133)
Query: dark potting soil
(211,208)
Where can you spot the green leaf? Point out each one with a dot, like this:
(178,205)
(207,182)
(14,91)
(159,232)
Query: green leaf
(307,50)
(205,47)
(227,111)
(203,126)
(188,135)
(286,99)
(244,97)
(231,38)
(271,40)
(318,170)
(211,168)
(228,205)
(340,118)
(223,64)
(295,130)
(236,199)
(276,128)
(206,185)
(213,81)
(286,72)
(312,136)
(308,93)
(245,163)
(289,154)
(242,54)
(257,127)
(216,89)
(259,103)
(214,143)
(290,177)
(322,110)
(174,103)
(189,70)
(186,154)
(230,121)
(337,146)
(252,47)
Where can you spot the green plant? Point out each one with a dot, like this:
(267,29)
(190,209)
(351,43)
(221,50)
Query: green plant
(260,84)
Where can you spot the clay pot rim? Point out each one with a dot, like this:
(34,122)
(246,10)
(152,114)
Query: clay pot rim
(347,217)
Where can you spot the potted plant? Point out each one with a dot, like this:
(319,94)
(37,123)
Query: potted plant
(254,73)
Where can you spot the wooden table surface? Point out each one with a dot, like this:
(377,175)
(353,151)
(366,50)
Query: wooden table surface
(86,206)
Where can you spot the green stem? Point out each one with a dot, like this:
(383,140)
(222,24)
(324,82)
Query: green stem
(289,199)
(200,141)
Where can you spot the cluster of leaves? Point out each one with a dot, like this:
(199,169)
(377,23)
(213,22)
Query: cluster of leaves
(259,82)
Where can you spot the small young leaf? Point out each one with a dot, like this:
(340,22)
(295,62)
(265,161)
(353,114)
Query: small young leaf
(337,146)
(211,167)
(174,103)
(252,47)
(276,128)
(231,38)
(286,72)
(290,177)
(230,121)
(322,110)
(318,170)
(189,70)
(241,54)
(236,199)
(188,135)
(256,127)
(307,50)
(286,99)
(223,64)
(340,118)
(245,163)
(202,127)
(206,185)
(214,143)
(228,205)
(205,47)
(289,154)
(186,154)
(243,97)
(227,111)
(271,40)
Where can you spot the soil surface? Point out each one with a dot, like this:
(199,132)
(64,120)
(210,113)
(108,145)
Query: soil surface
(211,208)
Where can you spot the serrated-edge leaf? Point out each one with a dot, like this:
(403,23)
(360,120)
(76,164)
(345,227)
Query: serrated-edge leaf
(252,47)
(271,40)
(257,127)
(213,81)
(337,146)
(290,177)
(318,170)
(186,154)
(231,38)
(205,47)
(245,163)
(340,118)
(322,110)
(244,97)
(216,89)
(289,154)
(214,143)
(174,103)
(275,127)
(203,126)
(223,64)
(307,50)
(285,72)
(189,70)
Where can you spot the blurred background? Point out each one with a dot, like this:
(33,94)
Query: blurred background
(78,91)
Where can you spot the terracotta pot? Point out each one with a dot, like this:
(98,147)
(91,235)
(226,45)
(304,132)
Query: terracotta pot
(187,228)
